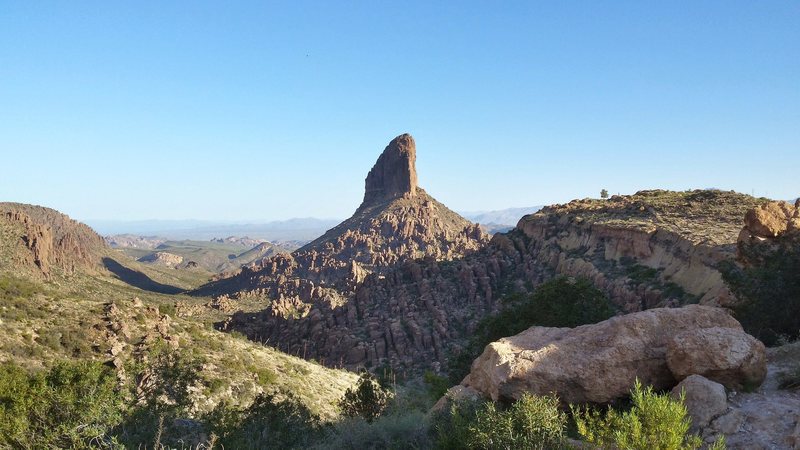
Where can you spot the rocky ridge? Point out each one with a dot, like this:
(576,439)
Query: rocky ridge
(651,249)
(43,240)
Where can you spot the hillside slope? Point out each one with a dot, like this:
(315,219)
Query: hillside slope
(68,296)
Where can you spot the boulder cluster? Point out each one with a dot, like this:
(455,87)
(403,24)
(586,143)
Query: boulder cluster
(599,363)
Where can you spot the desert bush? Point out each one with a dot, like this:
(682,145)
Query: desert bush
(560,302)
(273,421)
(768,290)
(437,385)
(73,405)
(368,400)
(532,422)
(14,287)
(394,430)
(159,393)
(655,422)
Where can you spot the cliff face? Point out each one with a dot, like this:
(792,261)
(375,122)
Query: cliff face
(654,248)
(394,174)
(44,240)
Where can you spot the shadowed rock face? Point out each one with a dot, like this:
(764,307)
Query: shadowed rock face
(394,174)
(45,239)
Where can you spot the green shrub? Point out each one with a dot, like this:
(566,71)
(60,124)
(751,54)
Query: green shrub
(13,288)
(394,430)
(73,405)
(368,400)
(273,421)
(162,381)
(768,289)
(532,422)
(160,392)
(437,385)
(655,422)
(560,302)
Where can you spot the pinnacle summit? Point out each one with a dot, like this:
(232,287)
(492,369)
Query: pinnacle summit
(395,173)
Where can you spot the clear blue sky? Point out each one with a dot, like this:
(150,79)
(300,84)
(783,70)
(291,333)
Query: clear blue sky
(262,110)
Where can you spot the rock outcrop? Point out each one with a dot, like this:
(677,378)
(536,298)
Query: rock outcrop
(344,298)
(162,258)
(394,174)
(769,221)
(592,363)
(45,240)
(705,400)
(650,249)
(725,355)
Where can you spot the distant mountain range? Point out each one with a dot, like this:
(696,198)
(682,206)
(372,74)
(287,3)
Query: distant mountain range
(297,229)
(302,229)
(501,220)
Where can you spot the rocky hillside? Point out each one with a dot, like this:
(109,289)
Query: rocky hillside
(317,295)
(653,248)
(63,297)
(42,241)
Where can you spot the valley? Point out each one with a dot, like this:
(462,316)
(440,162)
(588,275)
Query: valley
(583,300)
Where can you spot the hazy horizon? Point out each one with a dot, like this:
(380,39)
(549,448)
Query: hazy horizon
(267,112)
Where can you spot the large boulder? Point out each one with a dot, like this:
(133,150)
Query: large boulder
(592,363)
(770,220)
(705,400)
(725,355)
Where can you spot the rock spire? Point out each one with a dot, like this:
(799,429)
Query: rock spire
(394,174)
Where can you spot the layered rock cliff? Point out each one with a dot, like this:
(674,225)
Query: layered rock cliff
(654,248)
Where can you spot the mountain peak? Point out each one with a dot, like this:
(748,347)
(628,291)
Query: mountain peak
(394,174)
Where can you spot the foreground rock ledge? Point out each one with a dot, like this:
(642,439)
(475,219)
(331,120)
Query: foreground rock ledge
(597,363)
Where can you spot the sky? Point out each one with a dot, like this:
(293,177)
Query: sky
(270,110)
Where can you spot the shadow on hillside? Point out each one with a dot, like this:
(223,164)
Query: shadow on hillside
(138,279)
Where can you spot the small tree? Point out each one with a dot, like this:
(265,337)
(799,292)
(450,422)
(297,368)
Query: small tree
(367,400)
(603,194)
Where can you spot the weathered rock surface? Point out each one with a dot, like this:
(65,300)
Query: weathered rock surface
(705,400)
(772,224)
(725,355)
(162,258)
(768,418)
(395,173)
(650,249)
(45,240)
(592,363)
(771,219)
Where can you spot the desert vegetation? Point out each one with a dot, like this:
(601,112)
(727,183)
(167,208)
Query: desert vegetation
(560,302)
(767,284)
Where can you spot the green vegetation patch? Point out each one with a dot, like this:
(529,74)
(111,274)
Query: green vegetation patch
(767,285)
(560,302)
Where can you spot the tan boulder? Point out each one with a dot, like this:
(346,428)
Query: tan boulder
(770,219)
(725,355)
(705,400)
(591,363)
(455,395)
